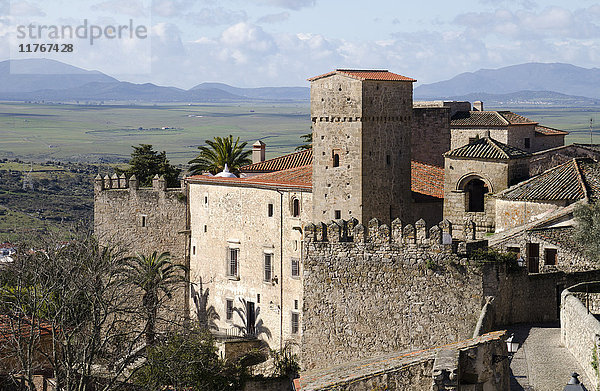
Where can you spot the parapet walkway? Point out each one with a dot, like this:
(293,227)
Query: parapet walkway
(542,363)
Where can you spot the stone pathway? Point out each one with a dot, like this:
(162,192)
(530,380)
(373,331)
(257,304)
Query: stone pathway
(542,363)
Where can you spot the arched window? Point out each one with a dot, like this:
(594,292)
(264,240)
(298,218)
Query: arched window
(296,207)
(476,190)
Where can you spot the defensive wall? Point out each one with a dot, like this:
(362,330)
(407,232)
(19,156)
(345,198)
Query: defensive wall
(580,327)
(382,289)
(143,220)
(466,365)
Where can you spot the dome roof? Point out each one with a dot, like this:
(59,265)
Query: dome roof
(225,173)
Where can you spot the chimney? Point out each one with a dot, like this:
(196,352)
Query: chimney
(478,105)
(258,152)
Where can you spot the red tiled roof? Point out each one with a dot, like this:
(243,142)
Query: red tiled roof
(285,162)
(489,118)
(546,131)
(297,177)
(8,326)
(427,179)
(366,74)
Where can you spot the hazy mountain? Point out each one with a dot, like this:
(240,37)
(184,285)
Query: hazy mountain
(563,78)
(269,93)
(525,98)
(124,91)
(39,74)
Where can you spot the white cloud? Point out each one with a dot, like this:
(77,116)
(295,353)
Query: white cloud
(120,7)
(25,9)
(216,16)
(171,8)
(274,18)
(289,4)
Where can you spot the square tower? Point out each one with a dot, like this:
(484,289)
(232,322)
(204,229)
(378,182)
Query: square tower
(361,144)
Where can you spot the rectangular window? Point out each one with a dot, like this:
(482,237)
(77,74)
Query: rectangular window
(270,210)
(295,304)
(233,262)
(258,298)
(295,267)
(229,309)
(295,322)
(527,142)
(268,267)
(472,140)
(193,250)
(550,255)
(143,220)
(338,214)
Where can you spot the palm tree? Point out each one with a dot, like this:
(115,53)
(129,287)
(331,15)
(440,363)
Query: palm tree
(157,277)
(221,151)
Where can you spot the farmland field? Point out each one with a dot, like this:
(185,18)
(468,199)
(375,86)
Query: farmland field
(63,132)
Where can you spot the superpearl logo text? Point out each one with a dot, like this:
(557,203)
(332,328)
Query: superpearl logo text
(85,31)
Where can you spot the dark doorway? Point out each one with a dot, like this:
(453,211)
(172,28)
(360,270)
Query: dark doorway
(533,257)
(476,190)
(251,318)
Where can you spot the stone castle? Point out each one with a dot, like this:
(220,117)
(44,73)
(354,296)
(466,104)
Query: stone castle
(340,248)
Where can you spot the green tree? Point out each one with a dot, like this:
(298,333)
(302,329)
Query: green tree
(308,138)
(189,361)
(145,163)
(221,151)
(157,277)
(587,231)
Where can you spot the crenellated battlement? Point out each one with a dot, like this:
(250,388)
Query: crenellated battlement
(132,183)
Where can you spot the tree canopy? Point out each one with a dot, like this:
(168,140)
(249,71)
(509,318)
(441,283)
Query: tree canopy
(218,152)
(308,138)
(145,163)
(587,231)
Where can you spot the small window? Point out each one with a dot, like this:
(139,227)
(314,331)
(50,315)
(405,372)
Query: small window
(337,214)
(295,267)
(295,322)
(388,159)
(472,139)
(205,200)
(205,228)
(193,250)
(268,274)
(233,262)
(295,304)
(550,255)
(258,298)
(335,156)
(270,210)
(229,309)
(143,220)
(296,207)
(527,142)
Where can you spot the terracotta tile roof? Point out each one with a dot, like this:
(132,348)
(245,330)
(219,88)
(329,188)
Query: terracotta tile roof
(546,131)
(489,118)
(9,324)
(366,74)
(295,170)
(292,160)
(427,179)
(487,148)
(297,177)
(569,181)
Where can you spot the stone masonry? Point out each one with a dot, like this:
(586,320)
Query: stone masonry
(143,220)
(361,144)
(384,290)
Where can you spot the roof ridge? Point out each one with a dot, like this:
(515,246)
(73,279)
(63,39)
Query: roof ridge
(580,178)
(502,117)
(497,146)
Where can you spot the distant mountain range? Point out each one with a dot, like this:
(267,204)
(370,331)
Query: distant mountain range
(562,78)
(525,84)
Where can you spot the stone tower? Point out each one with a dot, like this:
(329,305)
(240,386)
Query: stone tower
(361,144)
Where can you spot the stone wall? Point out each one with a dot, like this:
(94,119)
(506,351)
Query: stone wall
(224,217)
(580,332)
(143,220)
(384,290)
(542,143)
(465,365)
(511,213)
(544,160)
(430,137)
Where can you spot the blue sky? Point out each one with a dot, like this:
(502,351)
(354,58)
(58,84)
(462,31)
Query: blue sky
(283,42)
